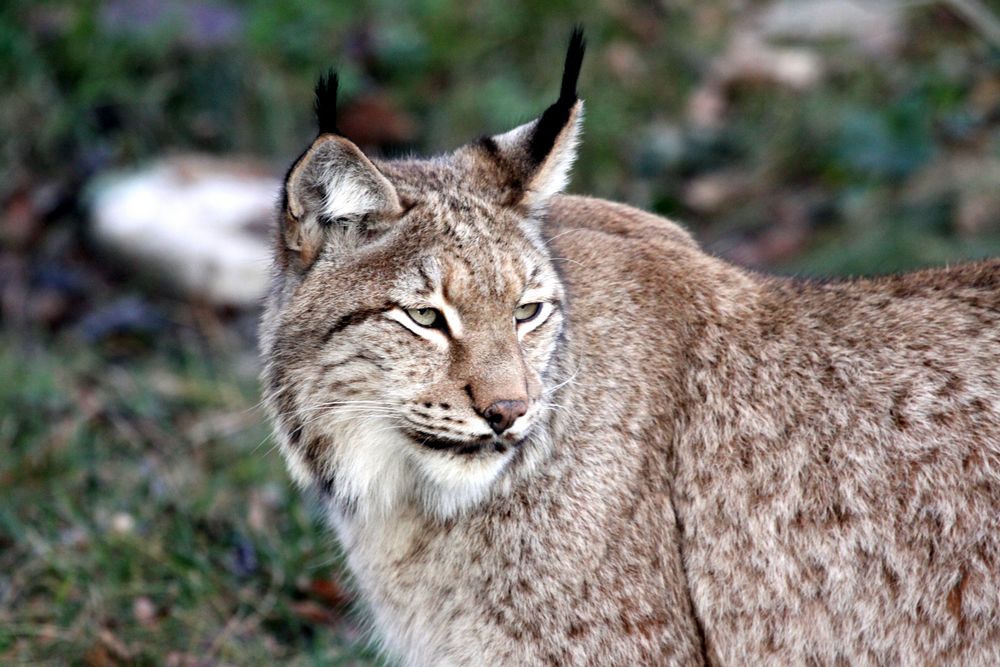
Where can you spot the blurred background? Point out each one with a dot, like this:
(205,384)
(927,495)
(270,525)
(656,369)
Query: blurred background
(145,517)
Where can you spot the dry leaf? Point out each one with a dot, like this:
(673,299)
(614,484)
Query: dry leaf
(329,592)
(312,612)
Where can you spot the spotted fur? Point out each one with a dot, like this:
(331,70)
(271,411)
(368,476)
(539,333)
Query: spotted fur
(715,466)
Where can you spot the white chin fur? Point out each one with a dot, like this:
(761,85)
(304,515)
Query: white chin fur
(453,484)
(378,470)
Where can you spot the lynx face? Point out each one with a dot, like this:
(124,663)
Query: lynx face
(432,369)
(411,336)
(468,333)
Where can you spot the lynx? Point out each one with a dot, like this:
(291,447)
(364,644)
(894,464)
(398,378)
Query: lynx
(551,430)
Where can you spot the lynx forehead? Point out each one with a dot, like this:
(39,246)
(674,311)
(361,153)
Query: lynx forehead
(550,430)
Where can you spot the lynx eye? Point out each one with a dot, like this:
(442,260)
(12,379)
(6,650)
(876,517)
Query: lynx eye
(527,312)
(426,317)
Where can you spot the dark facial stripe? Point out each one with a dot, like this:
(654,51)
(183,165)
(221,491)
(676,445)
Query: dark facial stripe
(356,357)
(428,283)
(312,451)
(351,319)
(294,428)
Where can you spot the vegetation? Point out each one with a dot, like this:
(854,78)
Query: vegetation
(145,518)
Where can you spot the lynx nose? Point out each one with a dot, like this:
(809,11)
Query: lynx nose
(502,414)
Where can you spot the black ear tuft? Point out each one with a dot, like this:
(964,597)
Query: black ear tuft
(326,102)
(554,119)
(574,58)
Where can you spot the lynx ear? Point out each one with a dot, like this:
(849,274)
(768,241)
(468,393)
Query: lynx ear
(333,183)
(536,158)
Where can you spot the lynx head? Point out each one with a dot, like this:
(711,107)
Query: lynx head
(412,337)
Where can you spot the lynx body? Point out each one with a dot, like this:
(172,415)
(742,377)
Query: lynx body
(551,430)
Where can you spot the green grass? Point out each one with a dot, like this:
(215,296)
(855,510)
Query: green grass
(145,517)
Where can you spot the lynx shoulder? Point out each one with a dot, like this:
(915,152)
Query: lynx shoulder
(551,430)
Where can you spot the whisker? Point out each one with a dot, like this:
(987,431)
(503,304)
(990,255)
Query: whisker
(546,243)
(564,382)
(345,406)
(568,259)
(360,402)
(352,408)
(262,441)
(259,405)
(341,414)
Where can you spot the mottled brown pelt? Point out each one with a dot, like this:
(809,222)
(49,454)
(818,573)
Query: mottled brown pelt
(551,430)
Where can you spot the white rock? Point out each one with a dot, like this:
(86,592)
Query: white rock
(203,223)
(122,523)
(873,25)
(751,58)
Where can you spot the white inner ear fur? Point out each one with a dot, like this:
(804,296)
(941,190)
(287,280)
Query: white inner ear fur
(552,175)
(335,180)
(348,197)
